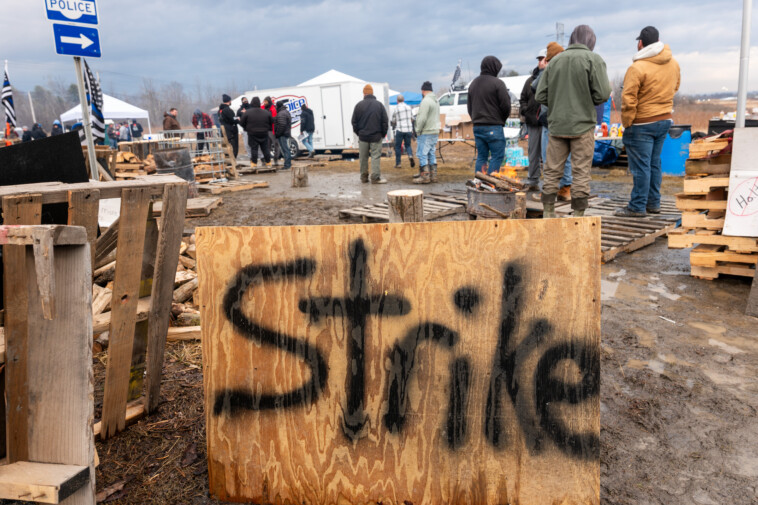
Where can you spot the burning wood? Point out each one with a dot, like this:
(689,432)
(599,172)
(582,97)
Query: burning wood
(497,181)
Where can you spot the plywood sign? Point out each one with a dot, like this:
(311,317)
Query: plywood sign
(742,206)
(425,363)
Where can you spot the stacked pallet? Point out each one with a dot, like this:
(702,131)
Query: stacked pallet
(703,204)
(129,166)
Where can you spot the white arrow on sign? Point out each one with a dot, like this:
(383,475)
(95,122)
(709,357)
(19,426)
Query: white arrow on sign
(81,40)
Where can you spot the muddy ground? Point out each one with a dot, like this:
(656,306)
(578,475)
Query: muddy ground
(679,365)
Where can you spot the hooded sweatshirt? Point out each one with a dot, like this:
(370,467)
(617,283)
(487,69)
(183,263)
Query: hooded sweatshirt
(571,85)
(56,130)
(649,86)
(489,102)
(428,117)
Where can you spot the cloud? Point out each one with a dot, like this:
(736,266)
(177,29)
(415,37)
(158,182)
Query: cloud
(243,44)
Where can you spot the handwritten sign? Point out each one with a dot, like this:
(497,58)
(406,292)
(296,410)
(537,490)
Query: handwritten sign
(423,363)
(742,207)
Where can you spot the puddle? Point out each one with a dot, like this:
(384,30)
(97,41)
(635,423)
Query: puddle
(607,290)
(724,347)
(712,329)
(620,273)
(645,337)
(663,291)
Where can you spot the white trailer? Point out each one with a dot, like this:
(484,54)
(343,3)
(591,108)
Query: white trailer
(332,106)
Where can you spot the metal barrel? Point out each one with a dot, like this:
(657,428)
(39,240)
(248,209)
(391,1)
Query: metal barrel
(502,201)
(177,161)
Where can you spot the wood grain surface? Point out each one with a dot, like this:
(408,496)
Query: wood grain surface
(423,363)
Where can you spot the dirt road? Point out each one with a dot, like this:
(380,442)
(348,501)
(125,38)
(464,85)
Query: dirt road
(679,369)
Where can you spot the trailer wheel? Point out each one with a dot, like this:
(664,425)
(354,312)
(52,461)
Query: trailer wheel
(294,149)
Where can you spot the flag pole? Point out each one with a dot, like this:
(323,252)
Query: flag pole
(747,19)
(86,120)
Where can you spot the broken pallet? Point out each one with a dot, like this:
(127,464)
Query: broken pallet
(379,212)
(217,188)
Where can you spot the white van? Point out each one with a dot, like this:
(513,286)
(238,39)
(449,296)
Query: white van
(454,104)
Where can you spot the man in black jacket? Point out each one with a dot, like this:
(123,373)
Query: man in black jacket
(257,124)
(307,127)
(228,120)
(489,105)
(370,124)
(283,132)
(530,109)
(240,111)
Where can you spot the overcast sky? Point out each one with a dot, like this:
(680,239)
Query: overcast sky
(281,43)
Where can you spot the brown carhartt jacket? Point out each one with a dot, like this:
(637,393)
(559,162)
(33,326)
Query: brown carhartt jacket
(649,86)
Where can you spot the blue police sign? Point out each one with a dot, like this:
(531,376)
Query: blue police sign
(72,11)
(76,40)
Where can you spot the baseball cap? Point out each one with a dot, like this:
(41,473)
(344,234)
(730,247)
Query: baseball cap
(649,35)
(542,54)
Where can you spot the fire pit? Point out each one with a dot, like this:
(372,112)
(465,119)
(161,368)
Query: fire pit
(504,201)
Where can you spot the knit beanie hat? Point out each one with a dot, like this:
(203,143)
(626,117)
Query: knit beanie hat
(368,89)
(226,98)
(427,86)
(553,50)
(256,102)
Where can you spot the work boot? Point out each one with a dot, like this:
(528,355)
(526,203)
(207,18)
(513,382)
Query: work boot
(548,210)
(380,180)
(311,154)
(413,162)
(627,212)
(433,174)
(424,178)
(397,165)
(564,194)
(421,170)
(548,206)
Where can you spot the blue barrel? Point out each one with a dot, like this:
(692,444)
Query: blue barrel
(676,149)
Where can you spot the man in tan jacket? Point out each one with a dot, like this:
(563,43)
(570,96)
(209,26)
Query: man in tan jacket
(646,112)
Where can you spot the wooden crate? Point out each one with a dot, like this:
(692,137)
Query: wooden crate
(146,261)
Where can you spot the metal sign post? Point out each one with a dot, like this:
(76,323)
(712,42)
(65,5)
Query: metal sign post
(747,19)
(77,41)
(85,119)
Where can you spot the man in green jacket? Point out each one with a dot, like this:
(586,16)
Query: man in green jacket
(571,86)
(428,129)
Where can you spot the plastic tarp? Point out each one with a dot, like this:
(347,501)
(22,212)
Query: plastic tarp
(411,98)
(113,108)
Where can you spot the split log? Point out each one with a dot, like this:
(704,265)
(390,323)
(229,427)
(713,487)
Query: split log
(102,301)
(188,263)
(185,291)
(406,206)
(183,277)
(299,176)
(183,334)
(520,211)
(501,182)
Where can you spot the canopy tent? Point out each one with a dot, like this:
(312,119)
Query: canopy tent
(330,77)
(113,108)
(411,98)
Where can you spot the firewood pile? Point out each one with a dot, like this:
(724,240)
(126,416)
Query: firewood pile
(129,166)
(496,182)
(185,311)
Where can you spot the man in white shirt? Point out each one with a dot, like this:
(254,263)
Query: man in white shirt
(402,123)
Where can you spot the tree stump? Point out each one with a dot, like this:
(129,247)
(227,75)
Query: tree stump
(406,206)
(520,211)
(299,176)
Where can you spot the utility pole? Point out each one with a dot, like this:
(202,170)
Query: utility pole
(747,18)
(559,33)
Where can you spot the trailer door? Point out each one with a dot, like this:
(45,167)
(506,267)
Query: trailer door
(331,103)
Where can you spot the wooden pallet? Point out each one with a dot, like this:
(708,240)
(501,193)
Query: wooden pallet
(196,207)
(217,188)
(712,273)
(379,212)
(256,170)
(684,238)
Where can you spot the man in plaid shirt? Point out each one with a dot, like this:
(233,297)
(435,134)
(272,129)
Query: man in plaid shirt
(201,121)
(402,122)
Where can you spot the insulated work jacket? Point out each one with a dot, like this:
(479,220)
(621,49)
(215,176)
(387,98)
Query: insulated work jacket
(489,102)
(571,85)
(428,117)
(649,86)
(370,121)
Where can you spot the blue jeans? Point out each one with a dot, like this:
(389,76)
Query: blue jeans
(489,140)
(426,146)
(284,143)
(308,141)
(644,144)
(567,178)
(400,138)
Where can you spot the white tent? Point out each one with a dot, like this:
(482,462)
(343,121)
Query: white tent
(330,77)
(113,108)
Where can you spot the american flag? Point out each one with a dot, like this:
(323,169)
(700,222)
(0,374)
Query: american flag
(10,111)
(95,101)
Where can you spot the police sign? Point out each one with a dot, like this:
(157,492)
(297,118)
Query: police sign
(73,11)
